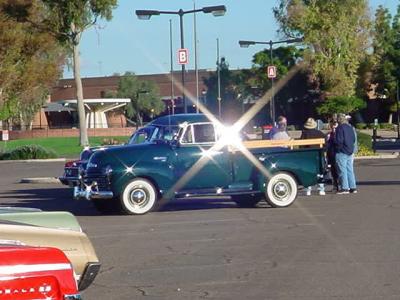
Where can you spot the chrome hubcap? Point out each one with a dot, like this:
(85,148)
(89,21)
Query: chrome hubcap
(281,190)
(138,197)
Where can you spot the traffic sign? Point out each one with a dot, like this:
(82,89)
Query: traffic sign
(183,56)
(271,71)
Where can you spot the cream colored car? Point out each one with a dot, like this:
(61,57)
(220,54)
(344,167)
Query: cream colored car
(74,243)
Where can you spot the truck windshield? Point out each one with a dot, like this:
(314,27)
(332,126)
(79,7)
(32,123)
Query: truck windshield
(151,133)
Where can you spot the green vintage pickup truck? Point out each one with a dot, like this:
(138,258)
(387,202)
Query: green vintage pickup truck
(187,155)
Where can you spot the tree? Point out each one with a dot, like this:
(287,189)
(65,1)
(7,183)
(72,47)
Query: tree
(144,95)
(67,21)
(30,63)
(284,58)
(341,104)
(337,34)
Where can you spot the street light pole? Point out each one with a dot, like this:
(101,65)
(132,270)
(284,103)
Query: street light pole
(217,11)
(245,44)
(172,68)
(272,106)
(182,65)
(195,56)
(397,107)
(219,80)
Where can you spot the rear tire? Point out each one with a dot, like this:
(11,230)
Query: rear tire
(246,201)
(281,190)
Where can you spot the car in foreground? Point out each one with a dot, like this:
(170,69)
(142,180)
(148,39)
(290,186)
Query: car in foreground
(204,158)
(28,273)
(50,219)
(74,243)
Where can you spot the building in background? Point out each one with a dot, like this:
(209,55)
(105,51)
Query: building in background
(102,112)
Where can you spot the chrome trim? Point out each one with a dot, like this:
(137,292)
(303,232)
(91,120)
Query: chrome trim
(88,275)
(73,297)
(90,194)
(69,180)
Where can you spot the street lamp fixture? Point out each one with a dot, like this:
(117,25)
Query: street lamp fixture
(216,11)
(246,44)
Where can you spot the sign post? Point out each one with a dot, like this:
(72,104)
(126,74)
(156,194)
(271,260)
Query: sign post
(183,56)
(271,71)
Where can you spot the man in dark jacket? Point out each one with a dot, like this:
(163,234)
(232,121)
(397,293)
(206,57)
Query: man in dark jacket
(344,145)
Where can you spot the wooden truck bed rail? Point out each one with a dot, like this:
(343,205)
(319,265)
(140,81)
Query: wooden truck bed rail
(280,143)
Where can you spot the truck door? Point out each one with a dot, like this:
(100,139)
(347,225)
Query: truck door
(214,167)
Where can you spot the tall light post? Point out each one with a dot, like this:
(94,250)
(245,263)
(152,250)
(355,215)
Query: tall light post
(217,11)
(397,108)
(219,80)
(246,44)
(172,68)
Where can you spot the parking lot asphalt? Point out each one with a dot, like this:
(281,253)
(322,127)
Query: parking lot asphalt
(322,247)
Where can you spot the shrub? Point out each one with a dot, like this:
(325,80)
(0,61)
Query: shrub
(361,126)
(28,152)
(110,141)
(291,127)
(363,150)
(387,126)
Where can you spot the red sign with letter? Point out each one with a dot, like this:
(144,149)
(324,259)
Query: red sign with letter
(183,56)
(271,71)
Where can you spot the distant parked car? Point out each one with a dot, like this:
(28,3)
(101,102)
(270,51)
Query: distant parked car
(28,273)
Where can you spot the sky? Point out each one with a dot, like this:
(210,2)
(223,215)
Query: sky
(143,46)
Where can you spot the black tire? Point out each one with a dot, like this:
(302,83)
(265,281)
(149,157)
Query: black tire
(138,197)
(281,190)
(246,201)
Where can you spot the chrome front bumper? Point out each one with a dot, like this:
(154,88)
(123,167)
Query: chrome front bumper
(91,192)
(71,181)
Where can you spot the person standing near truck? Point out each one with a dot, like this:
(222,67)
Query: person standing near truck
(345,140)
(275,127)
(279,132)
(331,152)
(310,131)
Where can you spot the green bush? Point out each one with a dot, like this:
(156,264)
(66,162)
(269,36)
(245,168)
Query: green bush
(291,127)
(110,141)
(387,126)
(28,152)
(372,126)
(363,150)
(360,126)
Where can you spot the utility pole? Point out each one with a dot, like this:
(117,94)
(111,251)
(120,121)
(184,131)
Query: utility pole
(195,57)
(219,80)
(172,68)
(397,108)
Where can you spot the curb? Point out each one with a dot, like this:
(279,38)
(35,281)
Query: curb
(35,160)
(40,180)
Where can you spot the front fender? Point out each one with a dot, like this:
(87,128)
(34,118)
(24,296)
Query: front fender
(160,177)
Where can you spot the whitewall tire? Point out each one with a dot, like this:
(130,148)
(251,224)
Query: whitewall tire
(281,190)
(139,197)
